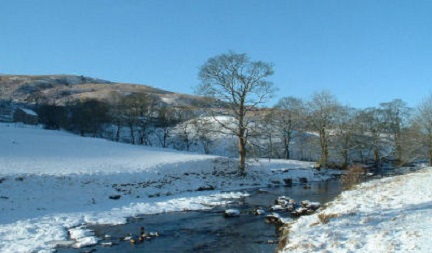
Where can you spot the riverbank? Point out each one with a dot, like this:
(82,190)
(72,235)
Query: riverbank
(387,215)
(53,183)
(209,231)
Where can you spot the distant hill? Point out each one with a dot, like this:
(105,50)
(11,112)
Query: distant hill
(60,89)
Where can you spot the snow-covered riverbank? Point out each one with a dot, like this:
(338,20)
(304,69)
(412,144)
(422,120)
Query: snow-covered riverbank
(387,215)
(52,182)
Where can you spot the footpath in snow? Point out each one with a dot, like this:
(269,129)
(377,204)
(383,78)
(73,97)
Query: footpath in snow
(53,184)
(386,215)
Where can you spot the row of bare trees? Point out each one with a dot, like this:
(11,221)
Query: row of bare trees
(293,128)
(136,118)
(390,131)
(346,134)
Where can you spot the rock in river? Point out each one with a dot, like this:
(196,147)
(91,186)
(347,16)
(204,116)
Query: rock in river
(232,213)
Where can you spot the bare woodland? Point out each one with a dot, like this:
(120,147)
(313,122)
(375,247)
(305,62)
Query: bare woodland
(235,119)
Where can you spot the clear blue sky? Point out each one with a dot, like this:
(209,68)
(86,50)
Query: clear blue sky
(364,52)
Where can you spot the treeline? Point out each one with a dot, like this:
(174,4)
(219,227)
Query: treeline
(319,129)
(134,118)
(389,132)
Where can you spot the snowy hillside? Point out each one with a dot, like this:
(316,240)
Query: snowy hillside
(388,215)
(52,182)
(61,89)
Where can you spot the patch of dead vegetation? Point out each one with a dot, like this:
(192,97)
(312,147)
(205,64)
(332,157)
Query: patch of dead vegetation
(353,176)
(325,217)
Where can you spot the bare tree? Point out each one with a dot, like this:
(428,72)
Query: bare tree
(137,110)
(241,83)
(372,125)
(267,143)
(167,118)
(204,128)
(88,117)
(289,118)
(396,115)
(322,116)
(116,113)
(345,128)
(187,130)
(423,123)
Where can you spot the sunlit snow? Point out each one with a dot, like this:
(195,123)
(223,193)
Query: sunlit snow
(53,183)
(387,215)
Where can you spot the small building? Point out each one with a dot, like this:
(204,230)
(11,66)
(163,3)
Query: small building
(26,116)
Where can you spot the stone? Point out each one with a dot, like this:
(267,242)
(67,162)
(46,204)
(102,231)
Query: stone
(232,213)
(278,208)
(303,180)
(273,218)
(288,181)
(115,197)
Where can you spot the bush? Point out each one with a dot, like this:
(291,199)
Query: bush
(353,176)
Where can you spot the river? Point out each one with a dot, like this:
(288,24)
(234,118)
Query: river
(209,231)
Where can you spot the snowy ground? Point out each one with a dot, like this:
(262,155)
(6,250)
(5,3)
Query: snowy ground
(53,183)
(387,215)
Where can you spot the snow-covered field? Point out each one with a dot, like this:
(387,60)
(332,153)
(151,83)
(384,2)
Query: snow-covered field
(54,183)
(387,215)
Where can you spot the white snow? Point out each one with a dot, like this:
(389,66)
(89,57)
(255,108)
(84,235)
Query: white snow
(232,212)
(53,184)
(387,215)
(82,236)
(29,112)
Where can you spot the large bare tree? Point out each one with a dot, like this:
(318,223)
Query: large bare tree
(371,122)
(396,116)
(323,111)
(242,84)
(345,126)
(289,117)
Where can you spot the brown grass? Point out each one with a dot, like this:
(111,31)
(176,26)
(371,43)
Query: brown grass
(325,217)
(353,176)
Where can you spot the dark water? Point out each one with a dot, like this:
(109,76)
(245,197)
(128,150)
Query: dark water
(209,231)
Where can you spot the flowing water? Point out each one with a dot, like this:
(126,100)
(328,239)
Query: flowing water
(209,231)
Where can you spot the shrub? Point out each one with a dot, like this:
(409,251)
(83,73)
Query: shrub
(353,176)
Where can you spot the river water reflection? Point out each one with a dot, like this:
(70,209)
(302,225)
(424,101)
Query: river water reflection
(209,231)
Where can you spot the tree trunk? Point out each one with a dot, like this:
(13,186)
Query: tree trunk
(376,156)
(117,138)
(345,157)
(345,153)
(165,138)
(287,139)
(324,149)
(287,152)
(399,149)
(324,156)
(132,135)
(242,156)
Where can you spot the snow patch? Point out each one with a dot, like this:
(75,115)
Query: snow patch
(387,215)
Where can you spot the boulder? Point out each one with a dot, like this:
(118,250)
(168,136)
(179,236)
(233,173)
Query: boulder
(262,191)
(300,211)
(279,208)
(273,218)
(288,181)
(303,180)
(232,213)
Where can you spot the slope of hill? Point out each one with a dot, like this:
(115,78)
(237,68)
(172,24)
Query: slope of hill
(387,215)
(60,89)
